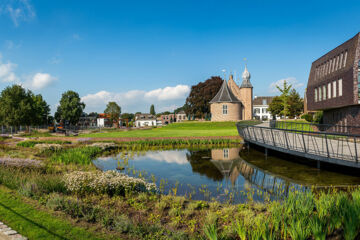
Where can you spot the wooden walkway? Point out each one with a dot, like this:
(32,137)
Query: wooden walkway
(340,149)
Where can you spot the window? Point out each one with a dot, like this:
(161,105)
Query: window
(341,60)
(256,110)
(330,65)
(320,95)
(333,66)
(329,90)
(340,87)
(264,102)
(226,153)
(337,62)
(263,110)
(326,67)
(345,58)
(334,88)
(324,92)
(225,109)
(316,97)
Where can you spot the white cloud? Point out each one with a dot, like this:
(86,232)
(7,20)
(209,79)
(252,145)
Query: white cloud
(169,93)
(36,82)
(40,81)
(166,156)
(7,72)
(18,10)
(164,99)
(290,80)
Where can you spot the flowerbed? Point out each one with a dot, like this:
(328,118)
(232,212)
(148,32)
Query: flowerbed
(109,182)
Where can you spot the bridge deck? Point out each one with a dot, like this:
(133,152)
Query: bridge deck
(341,149)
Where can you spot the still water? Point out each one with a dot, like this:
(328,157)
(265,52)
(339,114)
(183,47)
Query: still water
(229,174)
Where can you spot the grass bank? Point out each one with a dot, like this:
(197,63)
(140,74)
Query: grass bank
(184,129)
(34,223)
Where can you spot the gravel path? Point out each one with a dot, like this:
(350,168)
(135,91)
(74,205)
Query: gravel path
(7,233)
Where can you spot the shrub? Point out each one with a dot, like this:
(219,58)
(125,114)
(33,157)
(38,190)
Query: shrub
(307,117)
(110,182)
(122,224)
(29,189)
(318,117)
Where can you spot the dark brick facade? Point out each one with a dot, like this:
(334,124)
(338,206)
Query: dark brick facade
(331,68)
(348,74)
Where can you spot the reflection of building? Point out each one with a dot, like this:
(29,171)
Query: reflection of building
(233,103)
(334,84)
(226,160)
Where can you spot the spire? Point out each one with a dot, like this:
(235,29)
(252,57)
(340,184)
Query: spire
(246,79)
(224,95)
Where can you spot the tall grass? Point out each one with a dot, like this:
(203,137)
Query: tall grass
(33,143)
(82,155)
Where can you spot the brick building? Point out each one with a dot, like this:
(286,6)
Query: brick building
(233,103)
(333,84)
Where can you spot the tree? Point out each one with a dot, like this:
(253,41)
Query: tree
(114,111)
(16,106)
(57,115)
(41,110)
(152,109)
(197,103)
(179,109)
(285,90)
(276,107)
(128,116)
(71,107)
(296,104)
(22,107)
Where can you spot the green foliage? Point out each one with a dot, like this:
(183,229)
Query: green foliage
(288,104)
(22,107)
(211,231)
(152,109)
(82,155)
(30,143)
(70,108)
(276,107)
(197,103)
(307,117)
(318,117)
(114,111)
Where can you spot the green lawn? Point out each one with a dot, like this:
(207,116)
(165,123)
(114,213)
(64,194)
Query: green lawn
(35,224)
(298,124)
(185,129)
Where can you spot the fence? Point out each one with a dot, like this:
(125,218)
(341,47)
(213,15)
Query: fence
(338,148)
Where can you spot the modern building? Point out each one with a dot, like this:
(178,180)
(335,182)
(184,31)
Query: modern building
(334,84)
(233,103)
(260,108)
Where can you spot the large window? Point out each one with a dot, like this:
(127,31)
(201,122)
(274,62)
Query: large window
(340,87)
(315,93)
(329,90)
(320,93)
(324,92)
(341,60)
(225,109)
(345,58)
(334,89)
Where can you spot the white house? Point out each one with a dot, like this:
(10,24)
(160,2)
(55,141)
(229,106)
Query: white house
(260,108)
(145,120)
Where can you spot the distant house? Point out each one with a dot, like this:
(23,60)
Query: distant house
(87,121)
(169,118)
(260,108)
(103,120)
(144,120)
(181,116)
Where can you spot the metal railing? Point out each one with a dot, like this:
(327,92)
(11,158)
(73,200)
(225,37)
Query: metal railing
(315,127)
(325,146)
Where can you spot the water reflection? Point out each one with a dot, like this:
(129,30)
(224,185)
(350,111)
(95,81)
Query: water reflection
(223,173)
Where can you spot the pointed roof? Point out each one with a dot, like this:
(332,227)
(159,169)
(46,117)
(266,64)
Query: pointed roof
(224,95)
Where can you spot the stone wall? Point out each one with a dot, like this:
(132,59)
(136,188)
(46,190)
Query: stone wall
(233,112)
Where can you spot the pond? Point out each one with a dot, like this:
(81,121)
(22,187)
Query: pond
(228,174)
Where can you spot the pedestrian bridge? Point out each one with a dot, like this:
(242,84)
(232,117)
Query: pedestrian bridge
(307,141)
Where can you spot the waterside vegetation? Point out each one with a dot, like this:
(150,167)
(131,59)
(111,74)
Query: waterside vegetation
(67,191)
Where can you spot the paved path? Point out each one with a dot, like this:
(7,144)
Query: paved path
(6,233)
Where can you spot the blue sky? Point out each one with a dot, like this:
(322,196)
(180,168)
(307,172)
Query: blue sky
(142,52)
